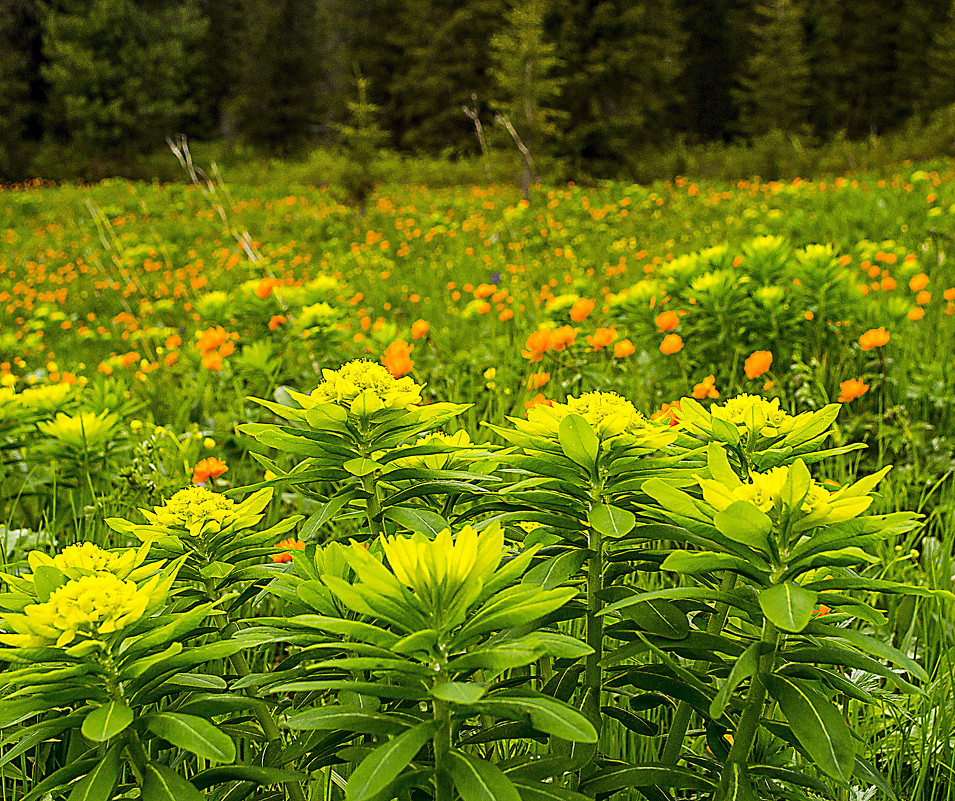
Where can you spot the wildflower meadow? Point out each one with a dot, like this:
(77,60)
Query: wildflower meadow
(616,491)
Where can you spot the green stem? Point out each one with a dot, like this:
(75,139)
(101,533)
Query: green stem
(373,508)
(681,719)
(444,789)
(755,700)
(137,753)
(593,676)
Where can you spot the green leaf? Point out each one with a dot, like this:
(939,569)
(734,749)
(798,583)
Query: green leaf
(99,783)
(194,734)
(645,775)
(788,606)
(107,721)
(326,512)
(724,431)
(660,617)
(743,668)
(417,519)
(578,440)
(459,692)
(706,562)
(796,485)
(743,522)
(735,784)
(162,784)
(478,780)
(46,579)
(547,792)
(383,765)
(345,718)
(246,773)
(556,571)
(611,521)
(818,725)
(362,466)
(547,715)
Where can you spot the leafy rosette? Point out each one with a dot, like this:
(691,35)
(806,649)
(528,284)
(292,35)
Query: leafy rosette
(404,639)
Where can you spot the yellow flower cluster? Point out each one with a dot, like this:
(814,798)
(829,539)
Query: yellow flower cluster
(609,414)
(92,605)
(765,492)
(344,385)
(83,431)
(755,414)
(196,509)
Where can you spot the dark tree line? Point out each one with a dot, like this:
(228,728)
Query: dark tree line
(591,82)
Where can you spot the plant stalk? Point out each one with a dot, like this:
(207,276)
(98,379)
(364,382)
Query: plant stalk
(373,508)
(593,676)
(755,700)
(681,719)
(444,788)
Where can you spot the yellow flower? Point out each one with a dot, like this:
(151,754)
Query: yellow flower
(195,509)
(85,431)
(360,377)
(755,413)
(437,570)
(91,605)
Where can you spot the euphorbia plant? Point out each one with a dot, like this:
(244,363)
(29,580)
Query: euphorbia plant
(785,540)
(100,659)
(406,642)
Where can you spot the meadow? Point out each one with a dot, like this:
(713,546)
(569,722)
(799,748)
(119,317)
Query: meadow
(238,423)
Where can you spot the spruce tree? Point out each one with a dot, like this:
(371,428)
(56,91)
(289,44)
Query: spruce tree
(523,62)
(444,60)
(941,63)
(622,64)
(825,66)
(14,93)
(118,75)
(773,91)
(277,89)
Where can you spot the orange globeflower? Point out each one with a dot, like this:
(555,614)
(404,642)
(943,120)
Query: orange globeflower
(601,338)
(537,380)
(562,337)
(916,313)
(672,343)
(208,468)
(264,288)
(397,358)
(276,320)
(623,349)
(581,309)
(420,329)
(537,400)
(758,363)
(851,389)
(537,343)
(286,556)
(669,412)
(918,282)
(667,321)
(706,388)
(874,338)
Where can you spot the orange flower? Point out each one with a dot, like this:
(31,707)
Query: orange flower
(670,412)
(672,343)
(949,294)
(397,358)
(537,400)
(918,282)
(208,468)
(923,298)
(916,313)
(173,341)
(623,349)
(212,361)
(420,329)
(706,388)
(484,290)
(537,380)
(667,321)
(276,321)
(601,338)
(562,337)
(758,363)
(538,343)
(286,556)
(874,338)
(581,309)
(264,288)
(852,389)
